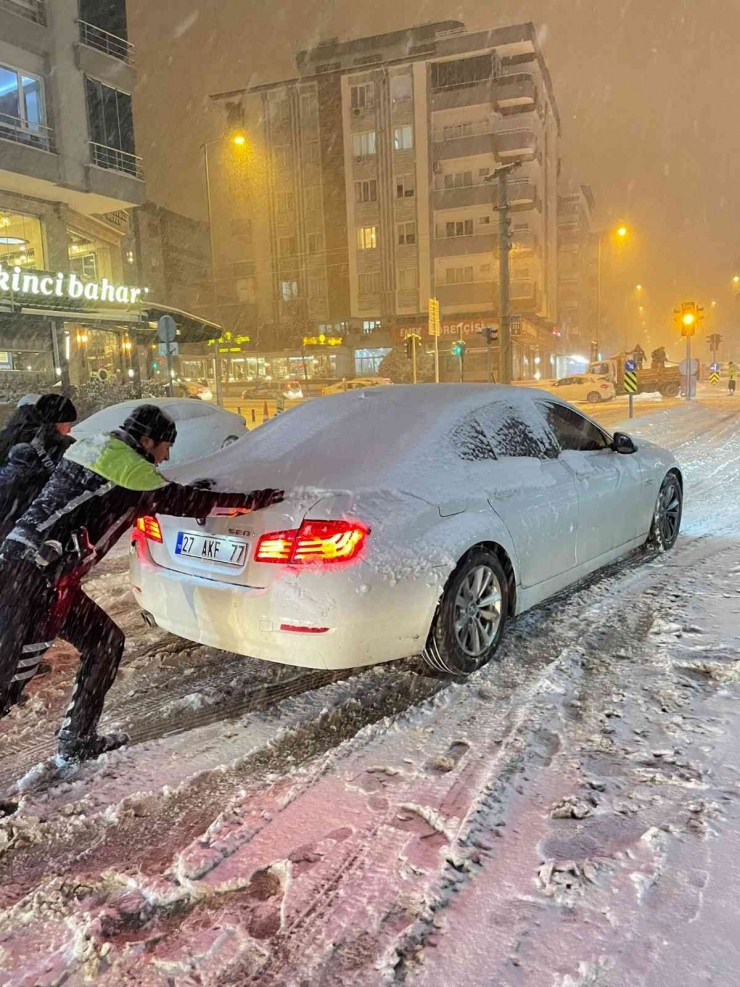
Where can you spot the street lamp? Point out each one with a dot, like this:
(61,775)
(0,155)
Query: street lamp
(239,139)
(622,232)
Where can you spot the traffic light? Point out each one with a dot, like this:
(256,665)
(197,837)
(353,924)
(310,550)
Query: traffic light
(459,348)
(689,316)
(490,334)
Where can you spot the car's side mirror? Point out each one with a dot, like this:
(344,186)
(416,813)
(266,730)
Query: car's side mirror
(623,444)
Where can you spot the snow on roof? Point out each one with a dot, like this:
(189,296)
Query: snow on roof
(371,438)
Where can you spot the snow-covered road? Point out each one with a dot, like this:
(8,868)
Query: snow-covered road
(567,816)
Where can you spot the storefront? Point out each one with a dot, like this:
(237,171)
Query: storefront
(62,329)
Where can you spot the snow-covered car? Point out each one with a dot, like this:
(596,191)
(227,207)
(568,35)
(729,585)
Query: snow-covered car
(589,388)
(202,428)
(416,521)
(356,384)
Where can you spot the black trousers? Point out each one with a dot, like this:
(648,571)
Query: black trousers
(25,604)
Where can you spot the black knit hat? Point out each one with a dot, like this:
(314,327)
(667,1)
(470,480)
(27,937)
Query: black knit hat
(52,409)
(151,421)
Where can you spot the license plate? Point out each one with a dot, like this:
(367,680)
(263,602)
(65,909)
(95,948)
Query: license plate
(225,551)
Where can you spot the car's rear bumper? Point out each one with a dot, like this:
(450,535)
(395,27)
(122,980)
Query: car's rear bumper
(356,616)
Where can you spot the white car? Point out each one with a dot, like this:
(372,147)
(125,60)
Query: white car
(590,388)
(357,384)
(202,428)
(416,521)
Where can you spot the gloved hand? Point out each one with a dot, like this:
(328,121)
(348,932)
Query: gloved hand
(258,499)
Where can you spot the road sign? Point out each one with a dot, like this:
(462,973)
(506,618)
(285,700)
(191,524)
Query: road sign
(434,327)
(694,364)
(167,329)
(630,381)
(714,367)
(174,349)
(630,365)
(714,377)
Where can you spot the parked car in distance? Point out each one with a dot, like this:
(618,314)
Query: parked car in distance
(418,520)
(196,389)
(202,428)
(356,384)
(588,388)
(272,390)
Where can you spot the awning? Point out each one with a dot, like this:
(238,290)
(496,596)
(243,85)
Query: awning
(190,328)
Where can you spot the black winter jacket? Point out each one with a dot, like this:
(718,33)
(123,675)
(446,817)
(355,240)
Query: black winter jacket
(28,468)
(81,512)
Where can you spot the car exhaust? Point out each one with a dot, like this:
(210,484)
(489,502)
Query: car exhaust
(148,618)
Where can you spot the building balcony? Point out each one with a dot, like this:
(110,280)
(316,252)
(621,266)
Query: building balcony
(116,174)
(460,246)
(524,242)
(30,134)
(516,143)
(445,149)
(474,95)
(466,195)
(458,296)
(515,92)
(100,40)
(522,194)
(31,10)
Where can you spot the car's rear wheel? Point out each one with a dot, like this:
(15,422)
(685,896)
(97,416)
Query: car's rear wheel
(471,616)
(667,517)
(670,390)
(593,397)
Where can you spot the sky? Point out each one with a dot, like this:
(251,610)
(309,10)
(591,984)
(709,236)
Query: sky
(648,93)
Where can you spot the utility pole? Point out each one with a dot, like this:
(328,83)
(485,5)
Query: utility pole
(501,175)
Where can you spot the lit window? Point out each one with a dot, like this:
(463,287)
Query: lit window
(289,290)
(367,237)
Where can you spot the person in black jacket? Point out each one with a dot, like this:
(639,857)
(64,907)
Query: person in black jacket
(42,438)
(96,493)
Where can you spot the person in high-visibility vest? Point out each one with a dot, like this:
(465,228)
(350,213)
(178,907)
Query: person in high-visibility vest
(732,377)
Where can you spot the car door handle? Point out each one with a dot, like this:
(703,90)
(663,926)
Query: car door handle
(504,494)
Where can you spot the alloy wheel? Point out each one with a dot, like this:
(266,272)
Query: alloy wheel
(477,611)
(668,512)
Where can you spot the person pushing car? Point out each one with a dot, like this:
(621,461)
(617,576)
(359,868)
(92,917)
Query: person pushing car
(101,486)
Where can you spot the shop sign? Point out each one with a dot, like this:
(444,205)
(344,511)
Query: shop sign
(69,286)
(229,343)
(323,340)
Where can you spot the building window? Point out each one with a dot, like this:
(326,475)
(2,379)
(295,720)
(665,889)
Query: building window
(401,88)
(313,199)
(362,97)
(366,191)
(110,117)
(367,237)
(459,275)
(460,179)
(403,138)
(369,284)
(288,246)
(463,227)
(21,241)
(457,130)
(485,272)
(405,186)
(288,291)
(408,279)
(316,288)
(241,227)
(21,100)
(312,153)
(371,325)
(364,144)
(484,172)
(309,108)
(90,258)
(484,220)
(406,234)
(367,362)
(282,156)
(285,202)
(462,72)
(314,243)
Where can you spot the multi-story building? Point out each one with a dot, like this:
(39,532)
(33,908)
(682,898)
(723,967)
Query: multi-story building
(577,270)
(366,193)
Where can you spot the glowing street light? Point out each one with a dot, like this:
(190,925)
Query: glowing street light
(622,231)
(239,139)
(638,287)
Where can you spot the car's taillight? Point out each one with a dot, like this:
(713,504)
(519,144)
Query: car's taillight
(150,527)
(322,542)
(604,387)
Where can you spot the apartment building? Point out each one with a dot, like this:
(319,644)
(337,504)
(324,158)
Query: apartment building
(577,269)
(367,192)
